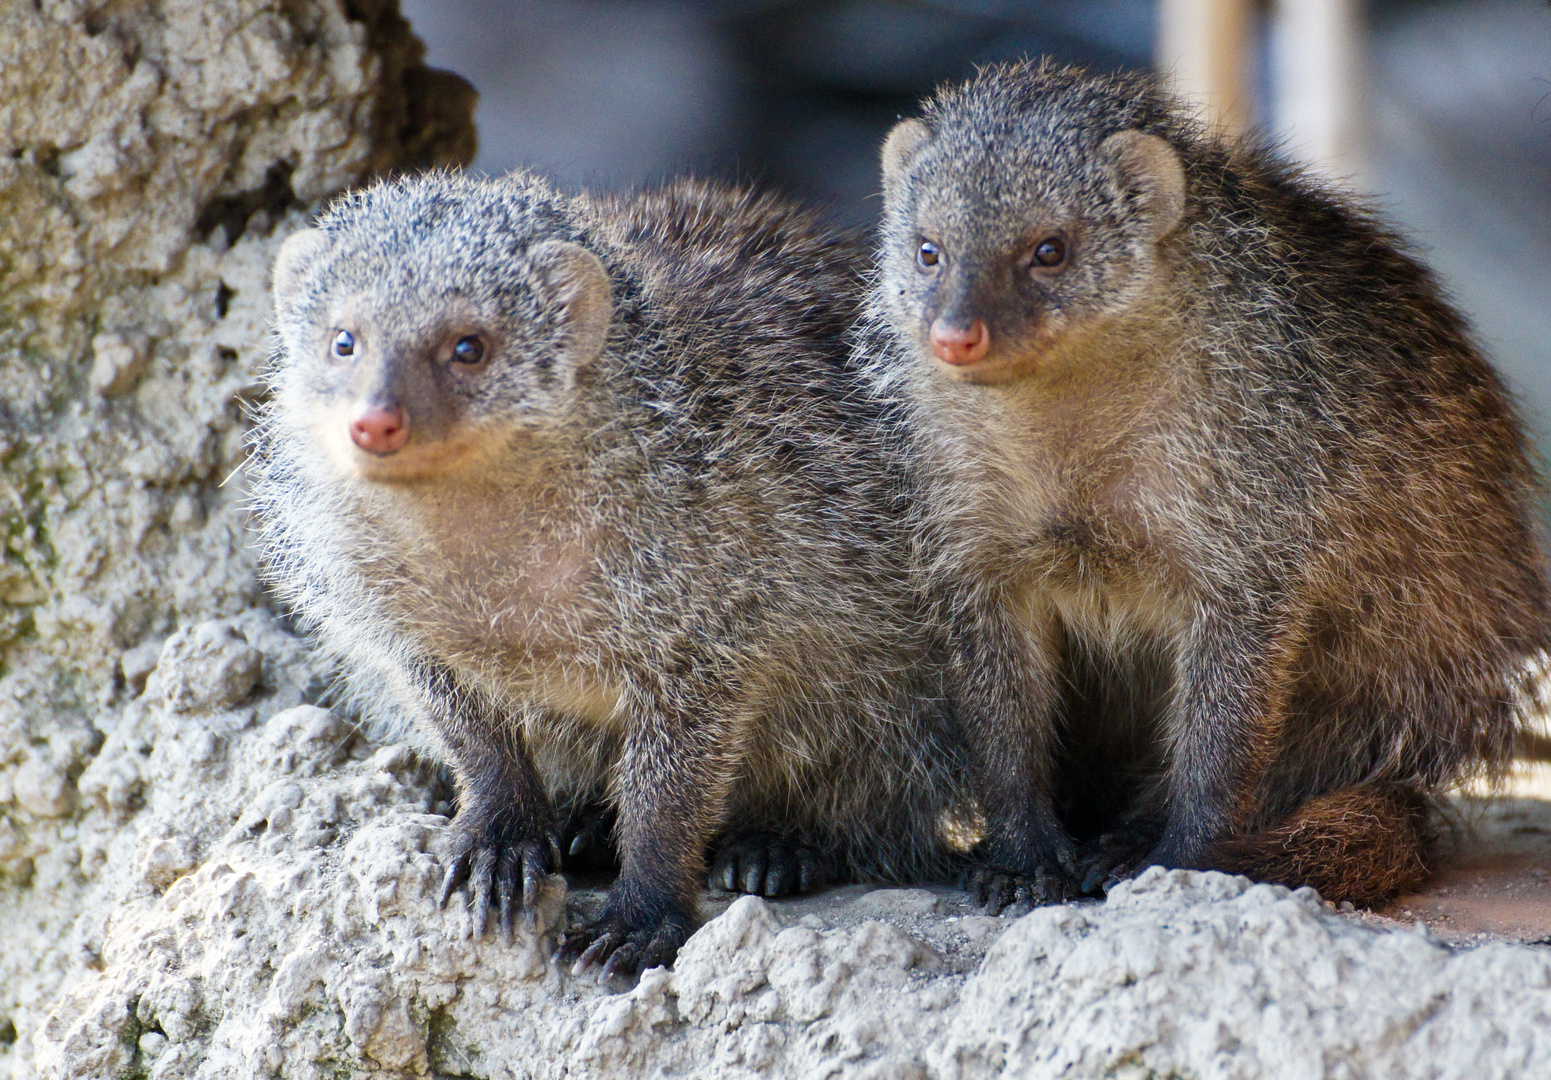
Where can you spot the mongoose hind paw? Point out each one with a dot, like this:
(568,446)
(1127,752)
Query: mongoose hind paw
(624,950)
(764,864)
(1108,859)
(501,873)
(995,888)
(588,838)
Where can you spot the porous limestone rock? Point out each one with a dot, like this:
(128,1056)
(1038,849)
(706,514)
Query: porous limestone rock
(152,156)
(1205,975)
(267,907)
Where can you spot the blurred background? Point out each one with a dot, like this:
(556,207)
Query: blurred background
(1438,111)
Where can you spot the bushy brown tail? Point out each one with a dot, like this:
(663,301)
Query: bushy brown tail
(1362,844)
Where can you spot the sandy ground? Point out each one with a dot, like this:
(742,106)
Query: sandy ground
(1495,882)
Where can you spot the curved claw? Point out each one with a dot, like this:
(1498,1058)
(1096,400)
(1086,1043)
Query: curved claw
(621,962)
(753,878)
(457,874)
(780,877)
(765,865)
(588,837)
(1116,855)
(1102,876)
(662,949)
(602,946)
(501,877)
(811,871)
(1093,880)
(532,881)
(990,888)
(996,889)
(624,950)
(505,889)
(484,867)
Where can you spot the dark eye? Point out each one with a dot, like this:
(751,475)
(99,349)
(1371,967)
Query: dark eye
(928,253)
(344,343)
(1050,252)
(468,350)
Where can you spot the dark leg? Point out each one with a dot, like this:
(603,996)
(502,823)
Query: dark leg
(1006,682)
(504,837)
(1233,678)
(677,766)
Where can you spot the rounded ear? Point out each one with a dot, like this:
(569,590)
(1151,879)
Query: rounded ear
(899,151)
(1149,165)
(575,278)
(298,250)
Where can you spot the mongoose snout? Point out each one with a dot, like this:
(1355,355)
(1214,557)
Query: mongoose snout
(961,345)
(379,429)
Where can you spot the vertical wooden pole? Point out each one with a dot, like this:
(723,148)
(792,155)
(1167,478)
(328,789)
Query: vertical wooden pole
(1205,49)
(1317,50)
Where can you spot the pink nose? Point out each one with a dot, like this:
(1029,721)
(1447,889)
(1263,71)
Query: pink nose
(379,429)
(961,346)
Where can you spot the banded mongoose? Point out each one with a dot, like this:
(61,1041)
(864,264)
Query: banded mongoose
(1236,522)
(588,488)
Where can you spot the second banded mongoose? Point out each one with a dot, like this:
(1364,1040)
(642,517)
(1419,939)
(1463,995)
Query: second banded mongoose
(1236,521)
(586,487)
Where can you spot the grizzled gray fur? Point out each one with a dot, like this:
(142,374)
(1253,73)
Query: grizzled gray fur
(1235,521)
(586,488)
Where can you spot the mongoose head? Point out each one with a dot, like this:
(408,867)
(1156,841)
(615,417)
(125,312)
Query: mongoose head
(1023,212)
(425,324)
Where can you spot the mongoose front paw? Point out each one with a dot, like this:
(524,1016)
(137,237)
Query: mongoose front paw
(995,887)
(767,865)
(623,949)
(1107,860)
(501,871)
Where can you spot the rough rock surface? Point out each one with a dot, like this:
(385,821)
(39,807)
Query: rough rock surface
(204,874)
(151,158)
(269,909)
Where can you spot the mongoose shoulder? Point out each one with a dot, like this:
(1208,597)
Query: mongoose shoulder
(588,488)
(1237,523)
